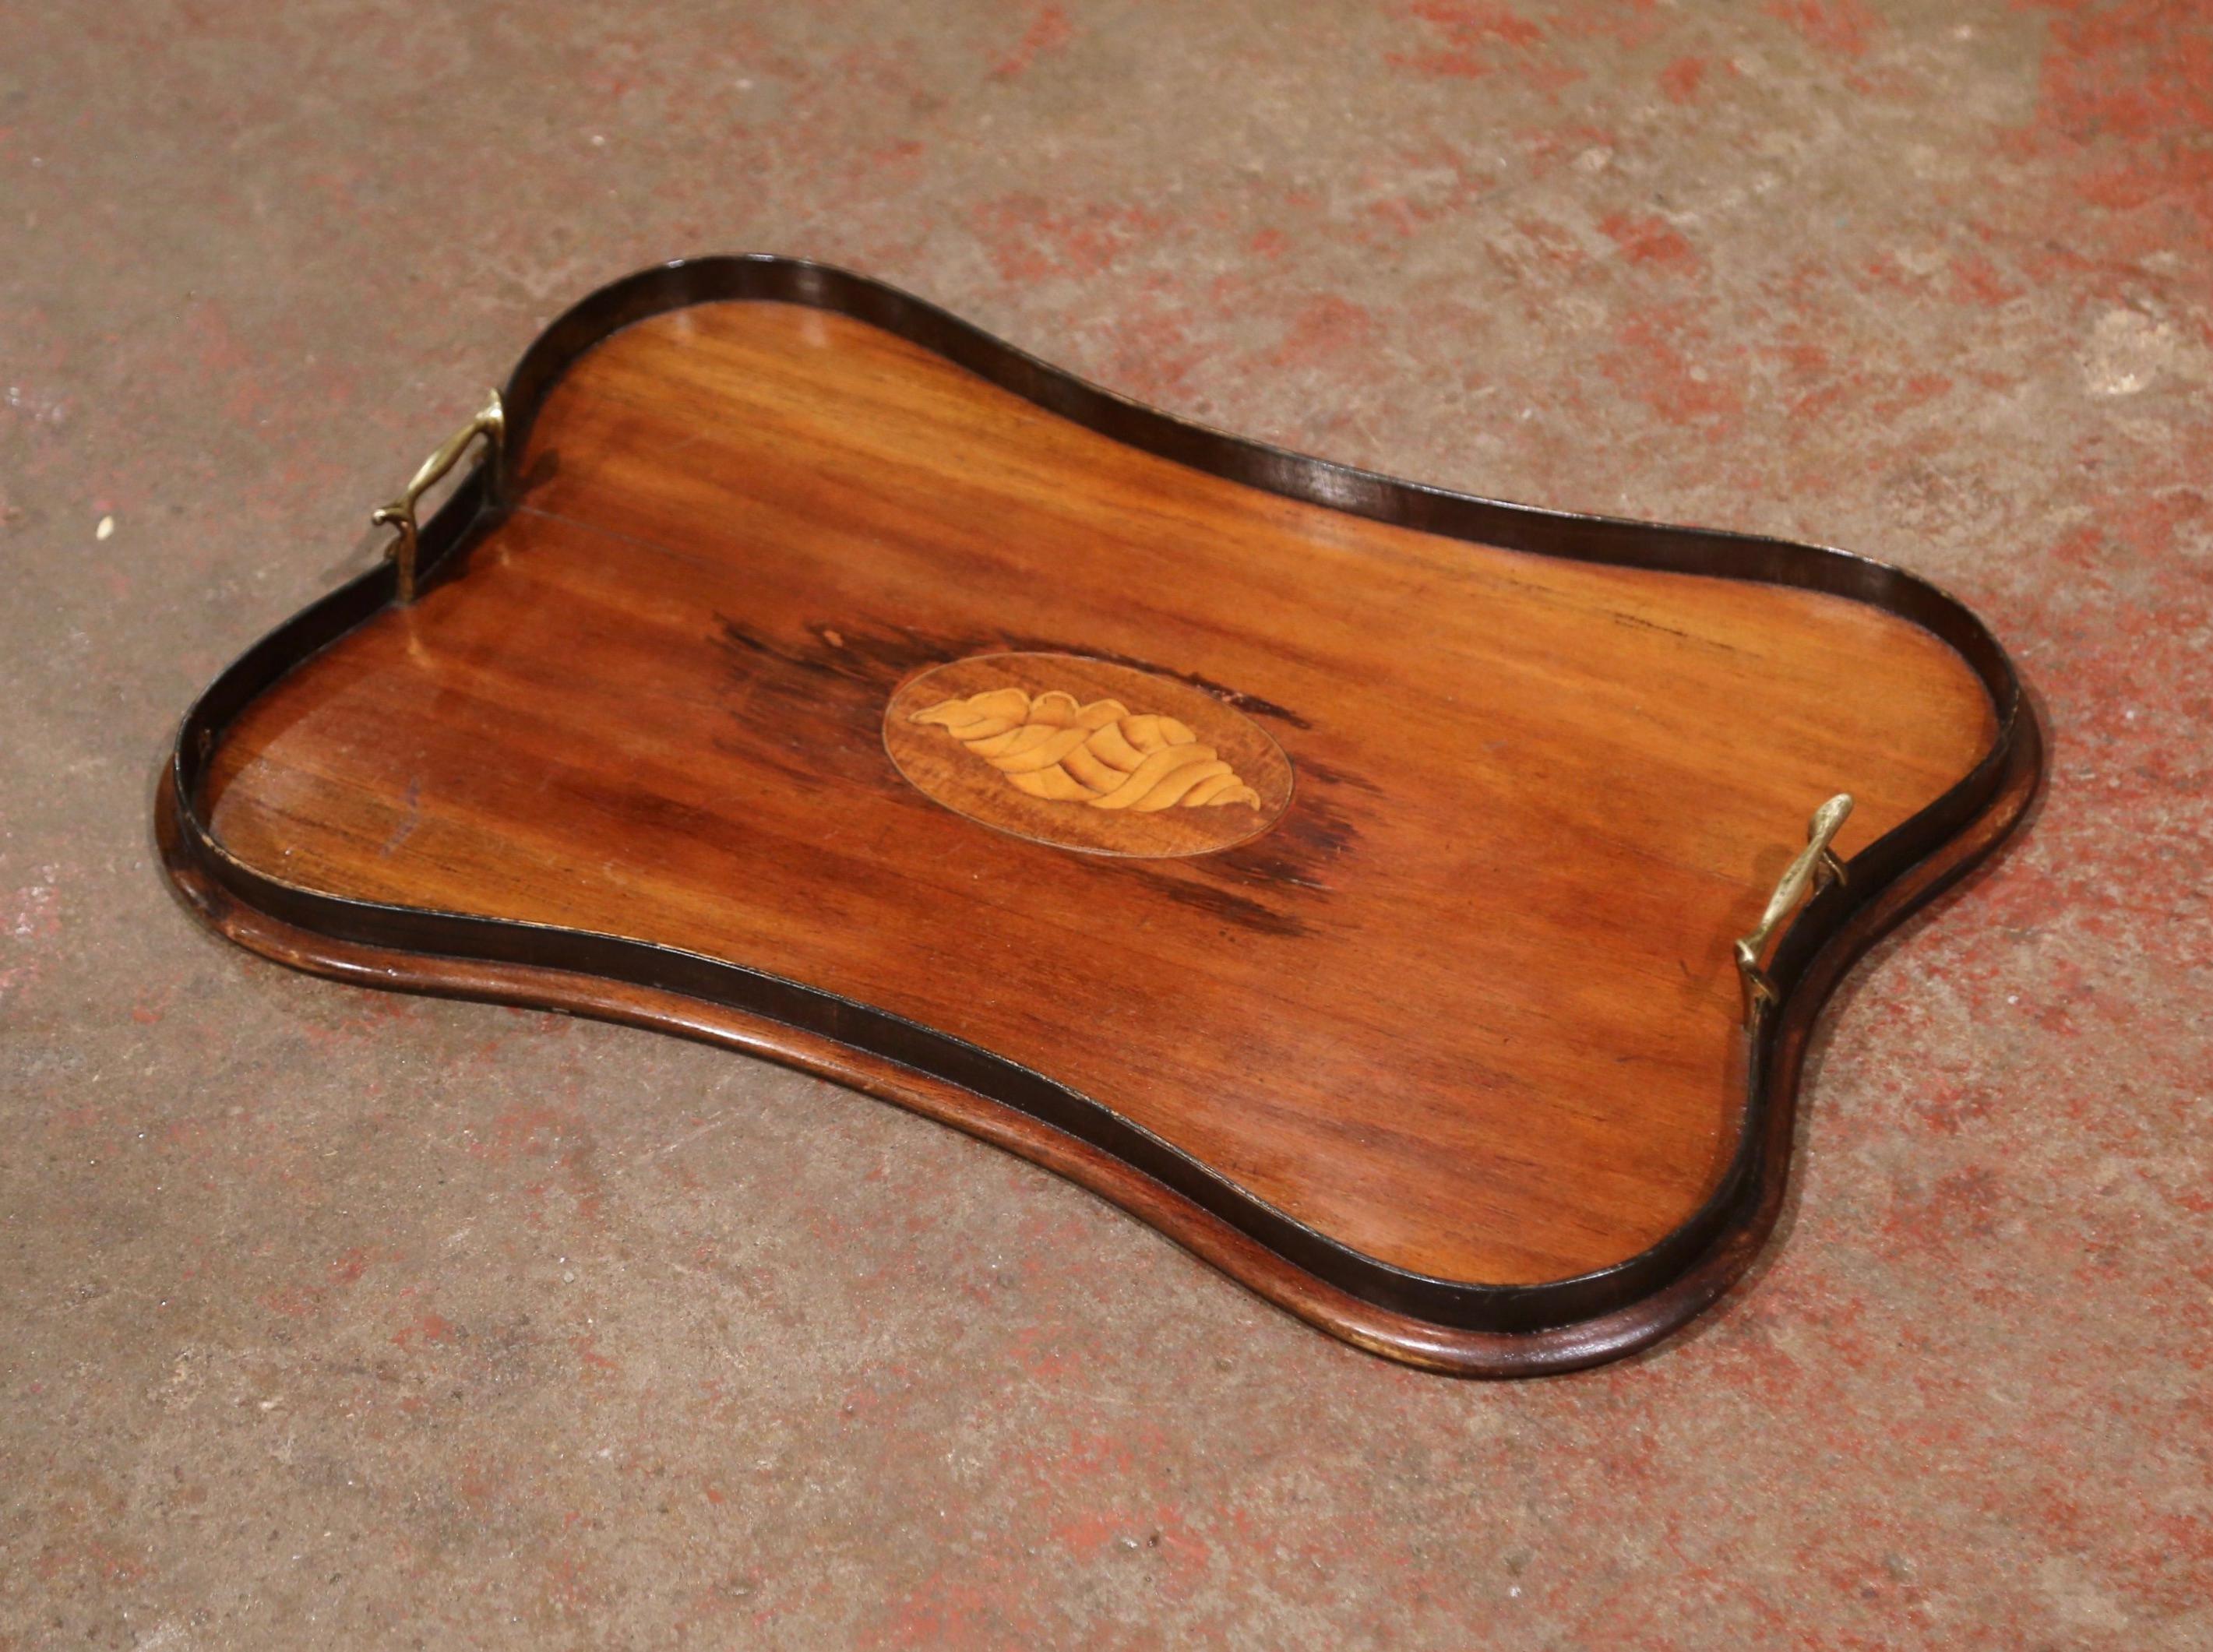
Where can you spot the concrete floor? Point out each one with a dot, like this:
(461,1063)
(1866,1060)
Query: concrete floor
(338,1319)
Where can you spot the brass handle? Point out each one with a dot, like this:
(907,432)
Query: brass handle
(491,424)
(1817,866)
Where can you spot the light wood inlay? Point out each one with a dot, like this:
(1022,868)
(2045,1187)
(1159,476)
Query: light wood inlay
(1050,746)
(1082,770)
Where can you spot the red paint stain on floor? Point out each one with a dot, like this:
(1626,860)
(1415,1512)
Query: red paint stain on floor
(1977,281)
(1840,28)
(1647,239)
(1033,237)
(1049,31)
(1327,328)
(1472,39)
(428,1327)
(1667,361)
(2118,84)
(1680,80)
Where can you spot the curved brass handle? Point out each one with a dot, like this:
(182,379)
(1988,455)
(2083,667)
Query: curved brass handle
(491,424)
(1817,866)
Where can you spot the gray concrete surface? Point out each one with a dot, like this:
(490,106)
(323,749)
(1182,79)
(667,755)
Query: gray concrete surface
(329,1318)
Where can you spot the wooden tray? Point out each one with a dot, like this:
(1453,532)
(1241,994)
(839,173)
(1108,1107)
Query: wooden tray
(1404,900)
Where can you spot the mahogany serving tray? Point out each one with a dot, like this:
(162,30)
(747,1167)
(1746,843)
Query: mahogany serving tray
(1404,900)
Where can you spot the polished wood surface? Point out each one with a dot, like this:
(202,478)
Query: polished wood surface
(1465,1005)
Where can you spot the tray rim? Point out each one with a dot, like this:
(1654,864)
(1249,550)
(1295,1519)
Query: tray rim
(1462,1327)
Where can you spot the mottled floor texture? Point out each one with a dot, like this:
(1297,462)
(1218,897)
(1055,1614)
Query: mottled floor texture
(335,1319)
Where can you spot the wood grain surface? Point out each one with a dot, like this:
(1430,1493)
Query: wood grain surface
(1466,1006)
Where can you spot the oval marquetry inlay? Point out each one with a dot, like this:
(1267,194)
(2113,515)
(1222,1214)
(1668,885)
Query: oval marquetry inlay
(1087,754)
